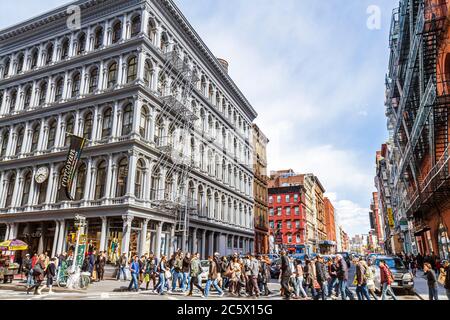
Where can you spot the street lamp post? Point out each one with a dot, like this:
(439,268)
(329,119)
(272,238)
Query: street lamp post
(80,223)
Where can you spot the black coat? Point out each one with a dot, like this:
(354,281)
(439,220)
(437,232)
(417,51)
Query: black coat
(285,269)
(447,278)
(342,270)
(320,272)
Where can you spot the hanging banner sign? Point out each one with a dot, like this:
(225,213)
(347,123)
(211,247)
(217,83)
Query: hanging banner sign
(391,218)
(73,156)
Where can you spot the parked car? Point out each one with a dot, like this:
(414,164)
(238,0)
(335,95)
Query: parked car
(275,268)
(273,256)
(403,278)
(372,256)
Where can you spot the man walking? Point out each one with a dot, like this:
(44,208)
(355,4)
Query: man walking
(342,274)
(212,277)
(321,275)
(386,279)
(253,277)
(196,271)
(285,275)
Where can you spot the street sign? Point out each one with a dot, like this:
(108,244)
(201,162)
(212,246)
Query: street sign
(80,255)
(391,218)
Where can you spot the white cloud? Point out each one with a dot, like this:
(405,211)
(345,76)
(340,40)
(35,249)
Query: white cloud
(353,218)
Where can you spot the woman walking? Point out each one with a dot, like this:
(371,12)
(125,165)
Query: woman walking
(370,277)
(235,276)
(298,280)
(38,274)
(50,272)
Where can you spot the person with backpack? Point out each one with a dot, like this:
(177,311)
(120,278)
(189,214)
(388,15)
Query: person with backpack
(196,271)
(253,276)
(38,275)
(361,280)
(386,279)
(431,281)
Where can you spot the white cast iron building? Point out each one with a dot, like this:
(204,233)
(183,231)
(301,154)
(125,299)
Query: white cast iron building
(110,82)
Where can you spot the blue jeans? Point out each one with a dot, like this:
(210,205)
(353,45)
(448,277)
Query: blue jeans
(175,277)
(345,291)
(30,280)
(324,288)
(433,293)
(134,277)
(298,286)
(161,283)
(362,292)
(214,283)
(185,281)
(387,290)
(122,270)
(333,284)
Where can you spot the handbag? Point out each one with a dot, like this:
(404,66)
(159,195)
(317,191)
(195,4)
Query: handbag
(147,277)
(316,284)
(168,274)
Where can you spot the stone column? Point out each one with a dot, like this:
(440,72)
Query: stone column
(8,229)
(55,239)
(172,240)
(157,252)
(132,174)
(61,236)
(203,249)
(127,219)
(194,241)
(142,248)
(210,243)
(104,233)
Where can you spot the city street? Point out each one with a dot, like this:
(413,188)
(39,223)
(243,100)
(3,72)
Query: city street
(112,290)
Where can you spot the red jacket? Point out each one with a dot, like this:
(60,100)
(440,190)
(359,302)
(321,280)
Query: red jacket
(33,261)
(385,274)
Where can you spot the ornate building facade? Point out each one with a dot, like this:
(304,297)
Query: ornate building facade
(110,82)
(260,191)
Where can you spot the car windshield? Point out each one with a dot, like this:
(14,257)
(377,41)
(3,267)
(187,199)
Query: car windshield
(393,263)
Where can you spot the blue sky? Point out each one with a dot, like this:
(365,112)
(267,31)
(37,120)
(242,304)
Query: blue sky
(314,72)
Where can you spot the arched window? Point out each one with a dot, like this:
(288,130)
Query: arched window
(152,30)
(6,68)
(135,26)
(59,89)
(42,93)
(35,137)
(81,44)
(20,63)
(51,134)
(70,125)
(143,123)
(27,98)
(107,123)
(12,102)
(10,190)
(132,69)
(81,181)
(148,73)
(34,58)
(93,80)
(42,189)
(164,42)
(122,176)
(168,188)
(98,39)
(117,32)
(127,120)
(112,74)
(26,189)
(5,138)
(100,181)
(88,124)
(162,85)
(156,176)
(49,57)
(20,136)
(65,49)
(140,168)
(76,83)
(200,200)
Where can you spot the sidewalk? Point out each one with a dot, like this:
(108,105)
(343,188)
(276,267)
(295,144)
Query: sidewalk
(421,287)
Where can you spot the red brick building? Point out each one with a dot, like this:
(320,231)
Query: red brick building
(287,217)
(330,225)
